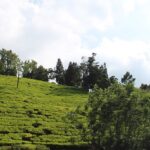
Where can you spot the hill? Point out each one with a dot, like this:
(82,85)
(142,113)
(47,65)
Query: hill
(33,113)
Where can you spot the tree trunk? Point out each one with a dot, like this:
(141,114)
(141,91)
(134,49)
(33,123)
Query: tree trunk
(18,81)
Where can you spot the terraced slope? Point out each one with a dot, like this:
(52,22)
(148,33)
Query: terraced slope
(33,113)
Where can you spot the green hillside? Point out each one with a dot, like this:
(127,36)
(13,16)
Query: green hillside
(33,114)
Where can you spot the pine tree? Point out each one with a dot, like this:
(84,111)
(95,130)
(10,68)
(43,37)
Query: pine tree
(93,74)
(60,72)
(73,75)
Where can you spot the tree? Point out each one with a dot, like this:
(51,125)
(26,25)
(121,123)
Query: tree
(115,119)
(29,68)
(102,78)
(72,74)
(51,73)
(127,78)
(8,62)
(145,87)
(59,72)
(113,80)
(41,74)
(90,69)
(93,73)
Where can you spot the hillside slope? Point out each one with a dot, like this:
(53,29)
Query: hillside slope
(33,113)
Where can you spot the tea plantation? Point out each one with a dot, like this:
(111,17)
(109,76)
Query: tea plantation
(34,113)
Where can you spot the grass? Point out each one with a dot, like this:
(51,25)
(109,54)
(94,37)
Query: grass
(33,113)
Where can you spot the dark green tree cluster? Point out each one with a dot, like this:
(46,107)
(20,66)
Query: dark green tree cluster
(117,118)
(127,78)
(95,74)
(145,86)
(85,75)
(31,70)
(73,75)
(59,72)
(10,64)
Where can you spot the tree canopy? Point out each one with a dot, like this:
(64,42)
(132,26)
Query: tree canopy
(8,62)
(72,75)
(59,72)
(127,78)
(115,119)
(93,73)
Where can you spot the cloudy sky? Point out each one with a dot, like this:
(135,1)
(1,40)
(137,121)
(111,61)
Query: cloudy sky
(44,30)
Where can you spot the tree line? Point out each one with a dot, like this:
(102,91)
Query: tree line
(86,74)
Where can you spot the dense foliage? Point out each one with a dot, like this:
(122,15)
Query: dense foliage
(118,118)
(59,72)
(127,78)
(33,114)
(29,68)
(93,73)
(8,62)
(85,75)
(73,75)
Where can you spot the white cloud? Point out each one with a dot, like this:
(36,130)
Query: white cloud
(47,29)
(129,6)
(142,2)
(11,20)
(124,51)
(51,28)
(124,55)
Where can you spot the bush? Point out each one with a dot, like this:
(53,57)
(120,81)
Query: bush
(117,118)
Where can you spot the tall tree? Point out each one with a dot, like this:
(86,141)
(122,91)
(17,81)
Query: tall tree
(89,69)
(59,72)
(93,73)
(8,62)
(73,75)
(102,77)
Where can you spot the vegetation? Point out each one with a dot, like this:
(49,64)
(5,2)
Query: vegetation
(34,113)
(59,72)
(85,75)
(93,73)
(145,87)
(39,114)
(116,118)
(127,78)
(73,75)
(8,62)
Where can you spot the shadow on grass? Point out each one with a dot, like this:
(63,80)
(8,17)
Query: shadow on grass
(67,91)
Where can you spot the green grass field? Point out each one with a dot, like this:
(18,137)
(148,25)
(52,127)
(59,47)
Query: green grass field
(33,113)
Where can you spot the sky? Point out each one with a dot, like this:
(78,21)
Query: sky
(118,31)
